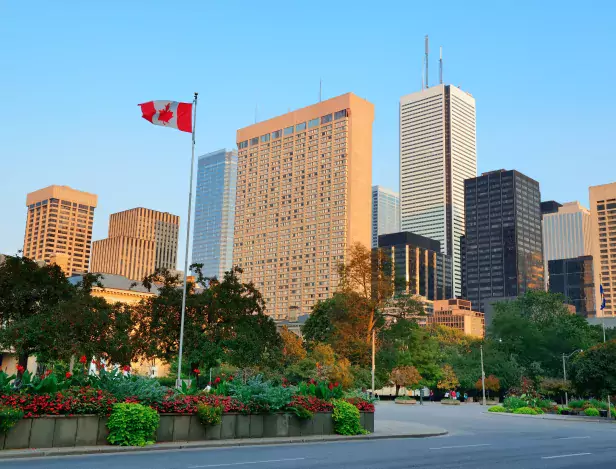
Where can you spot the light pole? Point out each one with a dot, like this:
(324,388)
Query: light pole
(565,373)
(373,356)
(483,376)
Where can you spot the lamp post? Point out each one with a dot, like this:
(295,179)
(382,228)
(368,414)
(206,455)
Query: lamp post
(483,376)
(565,372)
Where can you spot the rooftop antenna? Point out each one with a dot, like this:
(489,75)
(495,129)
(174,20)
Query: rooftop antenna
(256,112)
(320,89)
(440,66)
(427,51)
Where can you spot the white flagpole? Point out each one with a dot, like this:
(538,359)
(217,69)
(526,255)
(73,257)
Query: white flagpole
(178,383)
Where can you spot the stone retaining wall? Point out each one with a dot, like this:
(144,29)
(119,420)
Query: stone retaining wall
(91,430)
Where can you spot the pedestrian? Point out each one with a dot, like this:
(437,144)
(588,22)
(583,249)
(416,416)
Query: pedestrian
(465,397)
(421,396)
(431,395)
(447,395)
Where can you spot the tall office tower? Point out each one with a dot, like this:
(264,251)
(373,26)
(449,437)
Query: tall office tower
(59,227)
(303,198)
(418,265)
(503,255)
(437,153)
(215,212)
(603,215)
(385,213)
(139,241)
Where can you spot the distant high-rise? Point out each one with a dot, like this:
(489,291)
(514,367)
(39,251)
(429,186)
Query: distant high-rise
(503,248)
(59,227)
(140,240)
(385,213)
(215,212)
(437,153)
(603,216)
(303,198)
(549,206)
(566,232)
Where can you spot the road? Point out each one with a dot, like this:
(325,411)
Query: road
(476,440)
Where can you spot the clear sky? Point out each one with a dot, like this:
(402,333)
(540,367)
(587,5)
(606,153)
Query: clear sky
(72,73)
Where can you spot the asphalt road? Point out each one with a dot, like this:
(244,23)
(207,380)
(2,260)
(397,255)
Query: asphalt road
(475,441)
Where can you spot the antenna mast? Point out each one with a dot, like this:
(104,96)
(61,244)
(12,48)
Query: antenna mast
(440,66)
(427,51)
(320,89)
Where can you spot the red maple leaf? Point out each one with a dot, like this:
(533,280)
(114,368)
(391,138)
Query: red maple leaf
(165,115)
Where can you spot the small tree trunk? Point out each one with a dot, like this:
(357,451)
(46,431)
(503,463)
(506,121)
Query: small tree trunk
(397,389)
(71,364)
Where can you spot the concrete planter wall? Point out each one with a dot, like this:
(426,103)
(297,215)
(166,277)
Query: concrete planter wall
(450,402)
(406,401)
(90,430)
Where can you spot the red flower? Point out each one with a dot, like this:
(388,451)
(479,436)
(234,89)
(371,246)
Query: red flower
(83,359)
(197,371)
(47,373)
(230,378)
(126,368)
(331,386)
(336,384)
(20,369)
(68,375)
(217,380)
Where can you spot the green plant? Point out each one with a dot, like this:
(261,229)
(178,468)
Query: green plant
(543,404)
(514,402)
(258,395)
(132,425)
(497,408)
(5,382)
(346,419)
(301,412)
(145,390)
(525,411)
(209,414)
(405,398)
(598,404)
(357,393)
(591,412)
(579,404)
(9,416)
(560,410)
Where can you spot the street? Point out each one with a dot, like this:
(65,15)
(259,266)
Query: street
(476,440)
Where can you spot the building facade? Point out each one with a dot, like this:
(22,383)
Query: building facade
(457,314)
(59,227)
(385,213)
(437,153)
(603,229)
(215,212)
(418,265)
(566,233)
(574,278)
(303,192)
(140,240)
(503,242)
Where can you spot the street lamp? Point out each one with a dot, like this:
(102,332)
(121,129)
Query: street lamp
(565,373)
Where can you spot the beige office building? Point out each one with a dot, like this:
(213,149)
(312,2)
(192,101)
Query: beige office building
(140,240)
(458,314)
(59,227)
(603,214)
(303,197)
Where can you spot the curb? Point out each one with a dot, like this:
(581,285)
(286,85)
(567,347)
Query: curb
(86,450)
(581,419)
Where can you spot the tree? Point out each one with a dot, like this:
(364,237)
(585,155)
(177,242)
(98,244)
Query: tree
(292,346)
(404,376)
(318,327)
(491,383)
(553,387)
(449,380)
(594,370)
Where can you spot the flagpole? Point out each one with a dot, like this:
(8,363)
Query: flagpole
(178,383)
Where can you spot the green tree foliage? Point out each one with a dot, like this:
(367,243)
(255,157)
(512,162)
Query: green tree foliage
(536,329)
(223,321)
(449,380)
(594,370)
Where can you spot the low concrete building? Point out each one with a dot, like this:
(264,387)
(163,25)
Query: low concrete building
(458,314)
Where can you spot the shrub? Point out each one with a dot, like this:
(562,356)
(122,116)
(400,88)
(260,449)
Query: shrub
(405,398)
(301,412)
(132,425)
(579,404)
(9,416)
(598,404)
(209,415)
(361,404)
(258,395)
(346,419)
(591,412)
(497,408)
(143,389)
(543,404)
(525,411)
(514,402)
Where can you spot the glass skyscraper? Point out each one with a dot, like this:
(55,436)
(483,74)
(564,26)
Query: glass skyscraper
(215,212)
(385,213)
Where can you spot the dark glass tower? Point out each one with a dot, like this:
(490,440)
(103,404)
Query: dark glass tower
(574,279)
(503,246)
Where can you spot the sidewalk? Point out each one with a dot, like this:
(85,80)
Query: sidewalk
(384,429)
(563,418)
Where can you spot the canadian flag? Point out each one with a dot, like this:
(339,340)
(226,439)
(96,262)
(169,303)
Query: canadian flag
(168,114)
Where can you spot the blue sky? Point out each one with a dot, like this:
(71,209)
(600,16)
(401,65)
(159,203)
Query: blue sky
(72,73)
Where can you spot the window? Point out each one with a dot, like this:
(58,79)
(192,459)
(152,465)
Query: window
(254,141)
(300,127)
(326,119)
(288,130)
(243,144)
(277,134)
(340,114)
(313,122)
(265,138)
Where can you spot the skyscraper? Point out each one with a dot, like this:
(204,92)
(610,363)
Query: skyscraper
(603,216)
(437,153)
(215,212)
(385,213)
(303,198)
(503,250)
(59,226)
(140,240)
